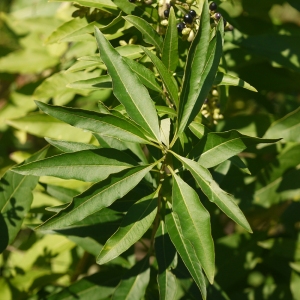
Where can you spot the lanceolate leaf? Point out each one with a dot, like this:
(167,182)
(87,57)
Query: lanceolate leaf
(137,221)
(228,79)
(128,88)
(86,165)
(214,193)
(149,13)
(194,221)
(185,249)
(101,82)
(170,45)
(166,258)
(167,79)
(103,124)
(287,128)
(97,197)
(134,283)
(167,285)
(97,286)
(149,34)
(145,75)
(66,146)
(15,201)
(200,71)
(217,147)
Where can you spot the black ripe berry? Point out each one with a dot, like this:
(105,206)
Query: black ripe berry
(213,6)
(132,1)
(166,13)
(180,27)
(188,18)
(217,16)
(193,13)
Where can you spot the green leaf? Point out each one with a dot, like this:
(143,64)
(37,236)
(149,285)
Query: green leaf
(95,287)
(217,147)
(136,222)
(287,128)
(279,180)
(166,258)
(228,79)
(194,221)
(198,129)
(150,36)
(146,76)
(134,283)
(86,165)
(103,124)
(167,285)
(128,89)
(106,5)
(170,45)
(98,196)
(15,201)
(167,79)
(200,70)
(185,249)
(148,12)
(101,82)
(46,126)
(66,146)
(214,193)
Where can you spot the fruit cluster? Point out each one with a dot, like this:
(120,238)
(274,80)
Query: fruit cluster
(217,16)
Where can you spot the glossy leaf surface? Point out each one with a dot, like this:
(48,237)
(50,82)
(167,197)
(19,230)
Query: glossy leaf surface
(128,88)
(97,197)
(102,124)
(136,222)
(194,221)
(86,165)
(214,193)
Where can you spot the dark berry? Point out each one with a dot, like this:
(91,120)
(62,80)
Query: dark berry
(188,18)
(180,27)
(132,1)
(193,13)
(217,16)
(166,13)
(213,6)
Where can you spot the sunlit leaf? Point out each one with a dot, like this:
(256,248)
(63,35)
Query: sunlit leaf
(128,88)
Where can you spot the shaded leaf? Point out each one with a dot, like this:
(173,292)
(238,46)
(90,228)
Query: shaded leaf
(134,283)
(98,196)
(287,128)
(15,201)
(228,79)
(95,287)
(101,82)
(136,222)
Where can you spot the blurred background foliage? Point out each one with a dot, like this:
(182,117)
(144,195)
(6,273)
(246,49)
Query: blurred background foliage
(39,62)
